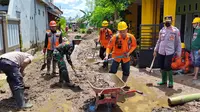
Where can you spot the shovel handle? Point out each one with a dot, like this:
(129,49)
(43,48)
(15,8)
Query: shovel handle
(152,62)
(133,91)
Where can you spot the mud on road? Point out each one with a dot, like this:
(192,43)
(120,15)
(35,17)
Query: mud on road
(46,99)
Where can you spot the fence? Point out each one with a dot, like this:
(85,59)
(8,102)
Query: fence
(9,34)
(1,36)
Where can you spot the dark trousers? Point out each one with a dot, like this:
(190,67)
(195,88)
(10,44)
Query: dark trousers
(102,55)
(49,60)
(165,62)
(125,67)
(63,72)
(12,71)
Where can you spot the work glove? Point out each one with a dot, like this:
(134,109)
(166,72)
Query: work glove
(126,55)
(44,50)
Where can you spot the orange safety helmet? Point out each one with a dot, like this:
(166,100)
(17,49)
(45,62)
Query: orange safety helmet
(52,23)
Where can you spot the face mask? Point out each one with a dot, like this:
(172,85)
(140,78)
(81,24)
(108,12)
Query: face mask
(167,24)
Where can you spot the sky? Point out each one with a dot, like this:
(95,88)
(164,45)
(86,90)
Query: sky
(71,8)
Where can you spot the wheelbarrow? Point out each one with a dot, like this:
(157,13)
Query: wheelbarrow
(111,95)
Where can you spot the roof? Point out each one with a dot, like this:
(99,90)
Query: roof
(52,7)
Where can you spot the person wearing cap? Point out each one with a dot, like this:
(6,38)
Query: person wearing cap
(105,35)
(168,45)
(196,47)
(52,40)
(13,65)
(121,44)
(65,48)
(182,63)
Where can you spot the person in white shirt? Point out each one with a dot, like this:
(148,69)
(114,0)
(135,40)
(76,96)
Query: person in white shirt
(13,65)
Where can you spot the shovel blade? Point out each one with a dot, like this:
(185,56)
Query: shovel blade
(43,66)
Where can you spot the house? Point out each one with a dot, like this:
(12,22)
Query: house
(34,16)
(145,18)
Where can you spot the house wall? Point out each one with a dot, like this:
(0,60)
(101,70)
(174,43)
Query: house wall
(41,22)
(132,18)
(24,8)
(33,23)
(188,9)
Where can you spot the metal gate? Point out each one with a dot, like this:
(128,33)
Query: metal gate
(149,35)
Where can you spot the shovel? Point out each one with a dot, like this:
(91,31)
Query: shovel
(110,59)
(45,64)
(149,69)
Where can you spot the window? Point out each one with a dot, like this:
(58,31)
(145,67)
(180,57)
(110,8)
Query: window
(18,14)
(179,9)
(184,8)
(189,7)
(196,6)
(38,11)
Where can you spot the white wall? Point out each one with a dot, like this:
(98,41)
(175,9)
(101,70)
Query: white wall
(22,6)
(41,22)
(33,26)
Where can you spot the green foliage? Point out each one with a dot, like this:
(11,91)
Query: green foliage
(82,30)
(62,24)
(107,10)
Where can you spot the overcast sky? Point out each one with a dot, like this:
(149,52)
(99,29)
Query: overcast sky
(71,8)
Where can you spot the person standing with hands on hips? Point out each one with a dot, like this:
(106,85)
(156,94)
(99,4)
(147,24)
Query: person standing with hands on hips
(168,44)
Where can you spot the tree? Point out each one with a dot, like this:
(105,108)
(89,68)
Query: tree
(62,24)
(108,10)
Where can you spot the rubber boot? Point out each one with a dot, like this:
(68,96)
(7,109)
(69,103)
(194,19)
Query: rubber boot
(19,97)
(124,78)
(48,67)
(170,74)
(164,78)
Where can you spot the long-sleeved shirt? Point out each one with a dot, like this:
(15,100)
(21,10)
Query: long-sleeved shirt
(46,39)
(128,45)
(105,36)
(169,41)
(66,49)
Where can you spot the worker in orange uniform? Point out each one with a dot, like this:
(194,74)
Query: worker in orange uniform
(183,62)
(121,44)
(105,35)
(52,40)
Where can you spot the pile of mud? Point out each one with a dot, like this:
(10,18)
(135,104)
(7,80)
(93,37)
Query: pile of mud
(103,80)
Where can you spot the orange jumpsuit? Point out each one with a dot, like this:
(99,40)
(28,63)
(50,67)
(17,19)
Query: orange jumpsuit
(181,63)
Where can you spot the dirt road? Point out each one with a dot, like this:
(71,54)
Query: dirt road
(46,99)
